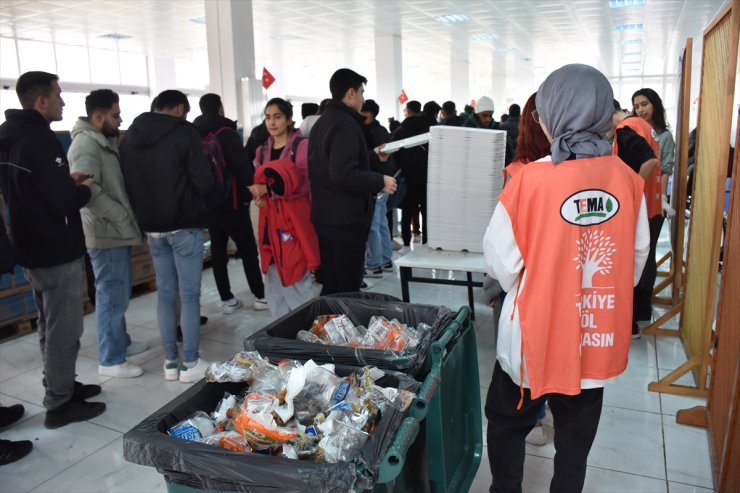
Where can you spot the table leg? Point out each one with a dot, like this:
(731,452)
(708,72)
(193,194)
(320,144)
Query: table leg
(405,276)
(470,295)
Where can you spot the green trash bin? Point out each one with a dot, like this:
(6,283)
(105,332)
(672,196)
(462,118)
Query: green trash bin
(190,467)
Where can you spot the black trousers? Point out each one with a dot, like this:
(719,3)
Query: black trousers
(576,420)
(342,250)
(643,293)
(222,224)
(414,202)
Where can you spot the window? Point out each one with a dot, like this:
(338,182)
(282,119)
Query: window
(104,67)
(8,59)
(73,63)
(133,69)
(35,55)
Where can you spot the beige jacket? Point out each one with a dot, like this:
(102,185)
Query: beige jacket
(107,220)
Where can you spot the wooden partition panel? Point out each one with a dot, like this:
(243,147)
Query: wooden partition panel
(719,64)
(724,394)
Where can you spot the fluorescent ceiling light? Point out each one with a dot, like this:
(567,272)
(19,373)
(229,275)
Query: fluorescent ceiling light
(630,42)
(627,27)
(618,4)
(199,20)
(483,37)
(451,18)
(631,62)
(506,50)
(115,36)
(628,53)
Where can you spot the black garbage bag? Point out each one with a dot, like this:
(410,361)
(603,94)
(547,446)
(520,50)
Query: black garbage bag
(278,339)
(208,467)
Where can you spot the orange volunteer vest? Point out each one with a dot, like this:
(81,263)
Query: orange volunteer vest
(653,187)
(512,168)
(574,223)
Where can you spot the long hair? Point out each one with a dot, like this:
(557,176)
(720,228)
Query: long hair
(532,143)
(659,122)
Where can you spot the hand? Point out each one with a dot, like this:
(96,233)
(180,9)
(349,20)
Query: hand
(389,184)
(668,211)
(257,190)
(259,201)
(79,177)
(383,156)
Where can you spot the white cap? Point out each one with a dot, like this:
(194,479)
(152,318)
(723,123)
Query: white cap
(484,103)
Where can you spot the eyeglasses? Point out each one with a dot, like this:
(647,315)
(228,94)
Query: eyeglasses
(536,117)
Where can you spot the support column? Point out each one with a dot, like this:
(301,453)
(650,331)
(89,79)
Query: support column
(389,72)
(231,59)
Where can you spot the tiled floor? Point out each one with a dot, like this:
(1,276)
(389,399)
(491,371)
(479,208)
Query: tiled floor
(638,448)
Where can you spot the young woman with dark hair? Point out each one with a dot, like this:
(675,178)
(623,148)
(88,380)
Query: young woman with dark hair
(532,143)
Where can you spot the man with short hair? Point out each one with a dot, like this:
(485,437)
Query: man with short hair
(450,116)
(167,177)
(342,184)
(231,219)
(44,202)
(110,230)
(511,125)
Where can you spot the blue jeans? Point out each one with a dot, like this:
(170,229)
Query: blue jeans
(379,248)
(178,264)
(112,268)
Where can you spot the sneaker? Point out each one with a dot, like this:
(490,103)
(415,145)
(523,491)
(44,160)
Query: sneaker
(124,370)
(190,374)
(13,451)
(260,304)
(203,320)
(84,391)
(417,238)
(404,250)
(387,267)
(537,435)
(374,273)
(73,411)
(171,370)
(230,306)
(363,285)
(11,414)
(636,332)
(396,246)
(137,347)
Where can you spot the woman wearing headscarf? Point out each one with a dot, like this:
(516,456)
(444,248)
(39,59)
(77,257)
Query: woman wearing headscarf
(567,241)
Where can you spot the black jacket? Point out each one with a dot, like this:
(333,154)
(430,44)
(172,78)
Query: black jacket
(454,121)
(7,251)
(234,153)
(166,172)
(413,161)
(339,167)
(511,125)
(43,200)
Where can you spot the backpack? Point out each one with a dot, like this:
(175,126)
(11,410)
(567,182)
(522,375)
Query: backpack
(225,184)
(293,149)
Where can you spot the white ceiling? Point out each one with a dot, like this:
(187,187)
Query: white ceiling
(306,40)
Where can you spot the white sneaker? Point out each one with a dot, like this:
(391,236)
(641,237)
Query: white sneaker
(193,373)
(260,304)
(230,306)
(537,436)
(171,370)
(124,370)
(137,347)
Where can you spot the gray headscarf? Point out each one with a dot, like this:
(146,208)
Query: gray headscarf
(576,104)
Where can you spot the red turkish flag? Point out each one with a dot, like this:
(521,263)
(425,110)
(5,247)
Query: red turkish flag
(267,78)
(402,98)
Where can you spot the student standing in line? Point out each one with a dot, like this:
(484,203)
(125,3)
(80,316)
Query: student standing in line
(567,241)
(110,230)
(343,184)
(230,219)
(289,248)
(44,201)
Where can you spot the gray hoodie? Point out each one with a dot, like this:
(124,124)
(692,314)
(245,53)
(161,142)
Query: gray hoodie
(107,220)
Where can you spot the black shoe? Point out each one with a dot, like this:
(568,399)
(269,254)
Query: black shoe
(387,267)
(636,334)
(83,391)
(374,273)
(73,411)
(203,320)
(9,415)
(13,451)
(363,285)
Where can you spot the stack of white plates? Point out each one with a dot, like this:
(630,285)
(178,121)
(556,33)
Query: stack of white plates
(464,181)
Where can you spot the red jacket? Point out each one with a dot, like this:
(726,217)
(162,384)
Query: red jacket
(286,235)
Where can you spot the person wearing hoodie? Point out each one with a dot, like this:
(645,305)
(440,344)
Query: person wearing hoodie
(413,163)
(110,230)
(289,247)
(231,219)
(44,201)
(167,178)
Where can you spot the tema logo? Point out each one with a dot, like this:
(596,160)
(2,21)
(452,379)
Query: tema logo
(589,207)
